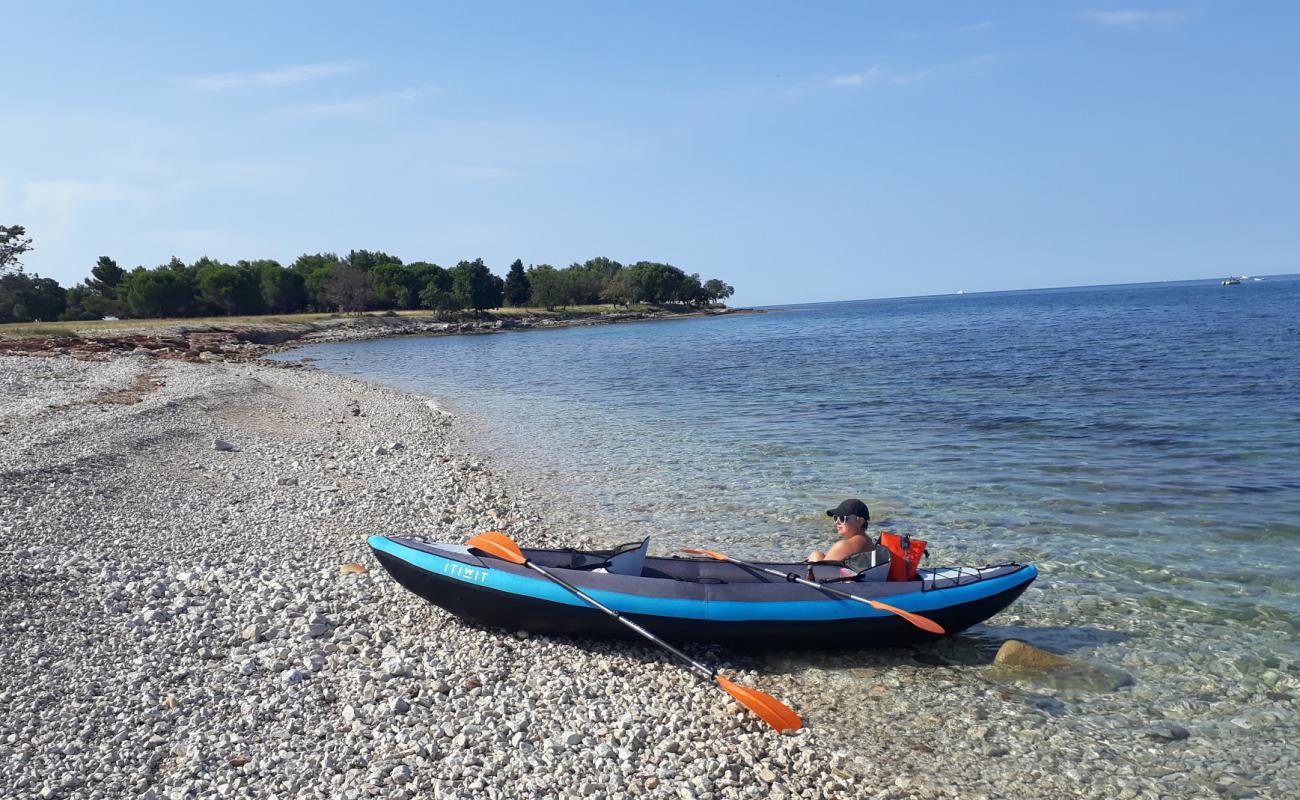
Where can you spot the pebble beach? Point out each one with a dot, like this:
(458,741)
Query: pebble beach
(180,618)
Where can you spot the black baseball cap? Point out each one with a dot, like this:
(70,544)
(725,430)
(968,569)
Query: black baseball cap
(852,507)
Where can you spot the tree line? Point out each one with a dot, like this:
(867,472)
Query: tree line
(363,280)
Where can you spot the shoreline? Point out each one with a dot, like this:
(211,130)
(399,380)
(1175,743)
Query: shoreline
(213,642)
(243,341)
(177,623)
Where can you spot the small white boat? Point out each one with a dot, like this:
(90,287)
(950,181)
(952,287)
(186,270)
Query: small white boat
(1230,281)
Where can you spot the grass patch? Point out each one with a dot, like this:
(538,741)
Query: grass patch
(20,330)
(41,329)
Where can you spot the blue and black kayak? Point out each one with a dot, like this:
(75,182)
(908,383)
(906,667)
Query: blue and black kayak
(696,599)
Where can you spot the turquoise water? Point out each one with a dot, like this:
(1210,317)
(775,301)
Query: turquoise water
(1140,442)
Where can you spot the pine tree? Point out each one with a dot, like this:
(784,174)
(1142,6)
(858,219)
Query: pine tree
(517,288)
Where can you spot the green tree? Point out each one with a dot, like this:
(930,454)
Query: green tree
(308,263)
(606,268)
(316,283)
(30,298)
(14,241)
(621,289)
(163,292)
(174,264)
(657,283)
(475,286)
(435,287)
(283,291)
(105,276)
(715,291)
(516,287)
(98,296)
(395,286)
(689,290)
(315,269)
(366,260)
(547,286)
(581,285)
(230,289)
(86,302)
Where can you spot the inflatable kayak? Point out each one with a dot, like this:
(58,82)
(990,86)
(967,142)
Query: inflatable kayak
(695,599)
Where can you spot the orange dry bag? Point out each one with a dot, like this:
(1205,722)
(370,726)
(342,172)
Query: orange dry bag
(904,555)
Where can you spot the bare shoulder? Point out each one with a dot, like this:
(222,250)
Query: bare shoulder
(842,550)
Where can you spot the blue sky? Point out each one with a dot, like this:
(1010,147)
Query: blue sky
(800,151)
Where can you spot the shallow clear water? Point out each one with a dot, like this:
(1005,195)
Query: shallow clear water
(1140,443)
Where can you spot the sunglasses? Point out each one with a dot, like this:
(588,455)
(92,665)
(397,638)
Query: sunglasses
(838,520)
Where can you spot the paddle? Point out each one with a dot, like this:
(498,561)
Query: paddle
(919,621)
(768,708)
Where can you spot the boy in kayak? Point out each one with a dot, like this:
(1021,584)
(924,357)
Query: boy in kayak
(851,518)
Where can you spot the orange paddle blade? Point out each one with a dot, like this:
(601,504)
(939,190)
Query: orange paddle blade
(695,552)
(919,621)
(767,707)
(498,544)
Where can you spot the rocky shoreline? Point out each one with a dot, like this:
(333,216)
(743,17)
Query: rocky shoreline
(178,620)
(244,341)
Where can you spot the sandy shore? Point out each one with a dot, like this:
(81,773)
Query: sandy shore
(174,624)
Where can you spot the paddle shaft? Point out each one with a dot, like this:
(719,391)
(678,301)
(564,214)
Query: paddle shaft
(790,576)
(697,666)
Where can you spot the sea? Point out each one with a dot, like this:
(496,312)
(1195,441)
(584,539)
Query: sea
(1139,443)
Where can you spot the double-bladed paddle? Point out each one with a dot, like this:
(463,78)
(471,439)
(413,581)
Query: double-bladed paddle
(768,708)
(919,621)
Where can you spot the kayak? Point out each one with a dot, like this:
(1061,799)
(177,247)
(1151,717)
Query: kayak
(696,599)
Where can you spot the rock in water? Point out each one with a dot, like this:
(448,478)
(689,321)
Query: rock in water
(1024,663)
(1168,731)
(1015,654)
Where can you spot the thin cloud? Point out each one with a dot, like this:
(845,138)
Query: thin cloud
(883,75)
(1135,18)
(269,79)
(878,75)
(355,107)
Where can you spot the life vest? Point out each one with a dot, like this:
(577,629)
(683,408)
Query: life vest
(904,555)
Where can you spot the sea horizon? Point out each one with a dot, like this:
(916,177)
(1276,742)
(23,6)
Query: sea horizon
(962,292)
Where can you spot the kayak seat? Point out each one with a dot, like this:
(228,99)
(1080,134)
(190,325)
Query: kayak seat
(629,561)
(625,559)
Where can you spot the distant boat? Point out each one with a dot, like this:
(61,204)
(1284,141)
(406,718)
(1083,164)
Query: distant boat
(961,291)
(1257,280)
(1231,281)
